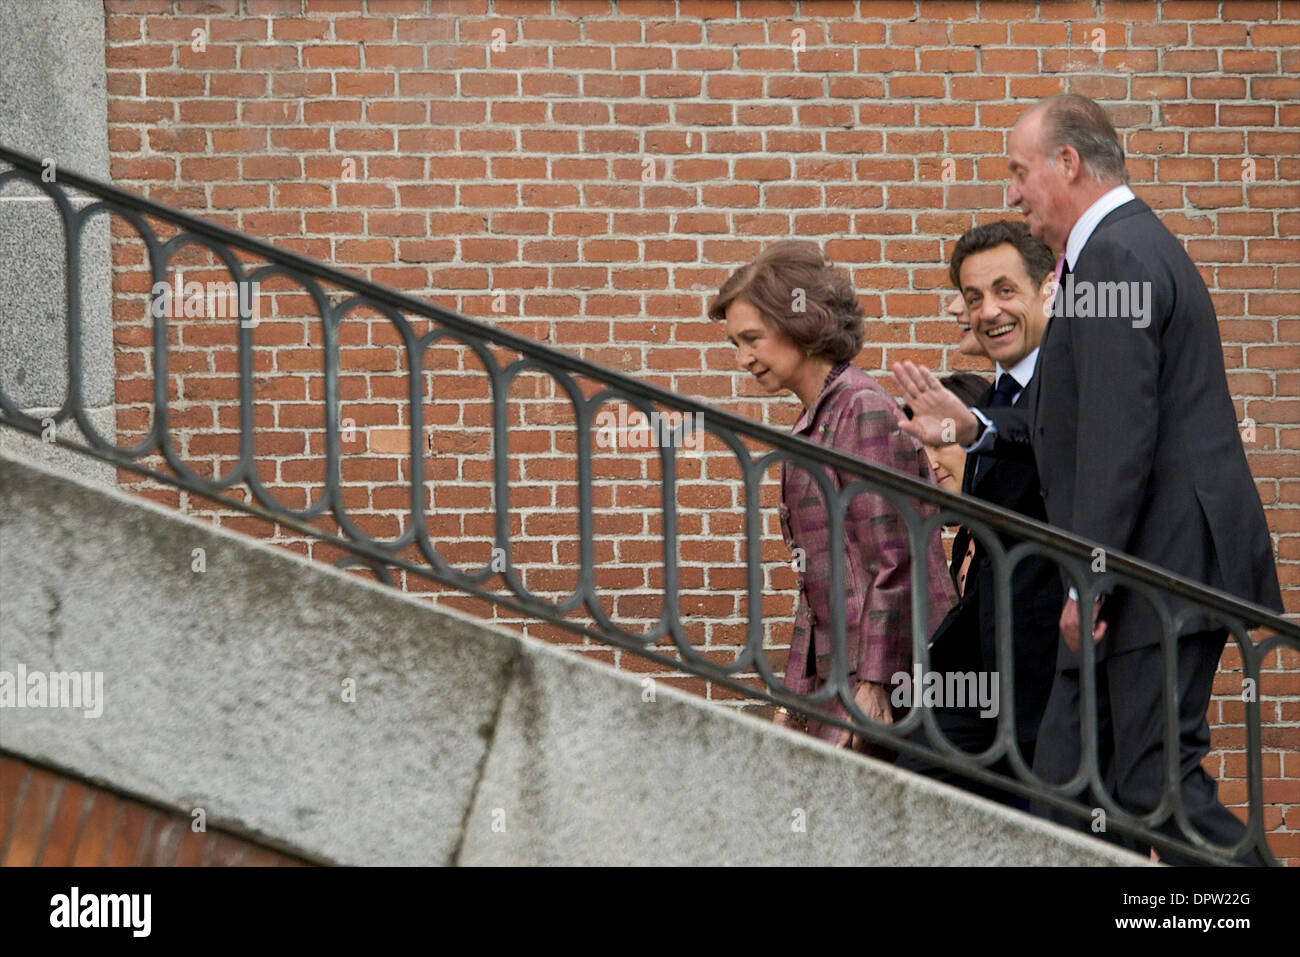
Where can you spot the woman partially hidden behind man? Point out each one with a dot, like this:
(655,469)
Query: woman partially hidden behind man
(807,351)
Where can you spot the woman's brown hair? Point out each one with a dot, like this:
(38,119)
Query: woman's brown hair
(796,290)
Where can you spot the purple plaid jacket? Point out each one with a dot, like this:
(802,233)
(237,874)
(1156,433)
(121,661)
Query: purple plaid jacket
(855,415)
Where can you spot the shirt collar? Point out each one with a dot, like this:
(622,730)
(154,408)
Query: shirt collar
(1023,370)
(1091,218)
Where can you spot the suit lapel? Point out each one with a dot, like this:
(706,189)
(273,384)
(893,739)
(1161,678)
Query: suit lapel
(1029,394)
(968,482)
(1036,383)
(1133,207)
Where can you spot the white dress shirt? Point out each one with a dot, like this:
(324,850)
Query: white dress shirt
(1091,219)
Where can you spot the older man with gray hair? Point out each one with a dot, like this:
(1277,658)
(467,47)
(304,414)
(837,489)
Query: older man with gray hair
(1135,438)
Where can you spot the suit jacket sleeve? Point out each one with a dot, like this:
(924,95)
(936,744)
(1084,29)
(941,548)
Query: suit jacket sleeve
(1117,368)
(1012,440)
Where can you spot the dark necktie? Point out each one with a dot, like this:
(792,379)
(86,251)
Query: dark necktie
(1003,393)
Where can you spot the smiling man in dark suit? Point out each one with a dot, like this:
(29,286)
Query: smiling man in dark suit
(1004,276)
(1136,442)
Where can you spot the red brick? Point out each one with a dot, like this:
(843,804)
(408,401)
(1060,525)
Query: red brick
(544,186)
(31,816)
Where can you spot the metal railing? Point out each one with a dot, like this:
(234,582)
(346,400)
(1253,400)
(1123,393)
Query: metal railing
(986,521)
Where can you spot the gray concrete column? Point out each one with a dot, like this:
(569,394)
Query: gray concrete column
(52,86)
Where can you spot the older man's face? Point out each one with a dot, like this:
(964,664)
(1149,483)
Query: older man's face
(1038,186)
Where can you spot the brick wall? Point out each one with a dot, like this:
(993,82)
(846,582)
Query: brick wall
(587,176)
(49,819)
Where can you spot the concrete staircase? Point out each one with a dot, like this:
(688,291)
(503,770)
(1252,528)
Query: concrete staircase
(304,705)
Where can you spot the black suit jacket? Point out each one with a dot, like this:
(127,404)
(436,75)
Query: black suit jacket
(1134,431)
(965,641)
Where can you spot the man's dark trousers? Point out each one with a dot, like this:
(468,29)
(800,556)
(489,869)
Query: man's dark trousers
(1134,435)
(965,640)
(1131,763)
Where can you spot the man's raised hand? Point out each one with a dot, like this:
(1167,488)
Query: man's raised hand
(938,416)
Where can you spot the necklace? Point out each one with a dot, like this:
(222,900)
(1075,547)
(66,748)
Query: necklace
(835,370)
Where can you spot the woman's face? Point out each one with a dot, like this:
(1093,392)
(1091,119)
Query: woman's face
(967,345)
(763,351)
(949,464)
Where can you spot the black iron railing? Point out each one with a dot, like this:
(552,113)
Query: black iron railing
(987,521)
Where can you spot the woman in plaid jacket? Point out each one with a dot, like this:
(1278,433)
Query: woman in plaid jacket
(796,324)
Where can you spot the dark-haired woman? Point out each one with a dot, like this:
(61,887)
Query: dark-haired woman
(949,465)
(949,461)
(796,324)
